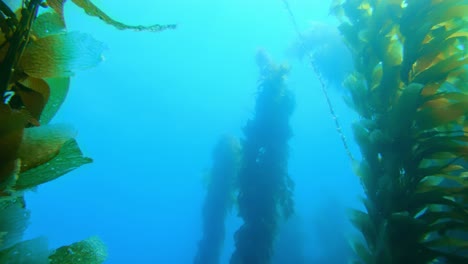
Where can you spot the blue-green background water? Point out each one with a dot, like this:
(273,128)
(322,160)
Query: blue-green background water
(150,114)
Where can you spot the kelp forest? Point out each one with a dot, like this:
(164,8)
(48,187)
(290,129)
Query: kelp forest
(403,70)
(38,56)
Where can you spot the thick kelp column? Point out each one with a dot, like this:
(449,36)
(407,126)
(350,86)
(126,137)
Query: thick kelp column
(265,189)
(37,57)
(410,89)
(219,199)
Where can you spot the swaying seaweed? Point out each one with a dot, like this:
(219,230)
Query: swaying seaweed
(410,89)
(265,188)
(218,200)
(37,56)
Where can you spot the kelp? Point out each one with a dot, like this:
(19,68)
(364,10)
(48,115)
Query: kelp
(410,89)
(40,82)
(20,33)
(32,251)
(92,10)
(219,200)
(13,226)
(88,251)
(37,57)
(31,154)
(59,55)
(265,188)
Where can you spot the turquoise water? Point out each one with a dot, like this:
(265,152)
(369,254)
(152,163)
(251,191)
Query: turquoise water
(151,112)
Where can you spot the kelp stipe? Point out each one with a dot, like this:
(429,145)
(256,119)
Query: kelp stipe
(303,45)
(37,56)
(265,188)
(411,91)
(221,186)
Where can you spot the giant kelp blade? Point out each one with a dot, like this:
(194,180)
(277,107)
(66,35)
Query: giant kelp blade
(11,134)
(93,10)
(48,23)
(13,221)
(68,159)
(41,144)
(32,251)
(450,248)
(362,252)
(58,92)
(34,94)
(363,223)
(57,6)
(89,251)
(61,55)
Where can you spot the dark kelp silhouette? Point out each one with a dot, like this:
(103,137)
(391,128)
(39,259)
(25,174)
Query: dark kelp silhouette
(219,199)
(37,57)
(410,89)
(265,188)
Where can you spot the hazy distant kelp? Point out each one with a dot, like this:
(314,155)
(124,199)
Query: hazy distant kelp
(323,44)
(321,238)
(410,89)
(219,199)
(37,56)
(330,228)
(290,243)
(265,188)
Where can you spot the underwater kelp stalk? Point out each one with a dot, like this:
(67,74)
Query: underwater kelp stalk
(323,43)
(410,89)
(37,57)
(219,199)
(316,50)
(265,188)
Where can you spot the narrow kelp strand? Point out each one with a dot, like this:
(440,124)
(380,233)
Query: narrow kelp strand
(322,81)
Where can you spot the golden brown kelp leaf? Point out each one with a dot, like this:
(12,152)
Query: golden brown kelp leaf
(89,251)
(48,23)
(60,55)
(442,109)
(93,10)
(57,5)
(68,159)
(58,91)
(33,94)
(41,144)
(12,124)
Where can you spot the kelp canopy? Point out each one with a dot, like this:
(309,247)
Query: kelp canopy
(410,89)
(37,57)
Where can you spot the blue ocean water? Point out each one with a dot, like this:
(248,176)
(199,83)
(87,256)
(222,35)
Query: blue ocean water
(150,114)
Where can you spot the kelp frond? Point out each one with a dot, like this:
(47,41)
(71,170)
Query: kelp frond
(265,188)
(90,251)
(92,10)
(410,89)
(37,57)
